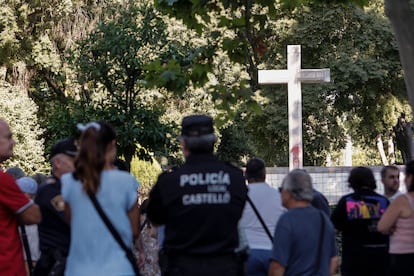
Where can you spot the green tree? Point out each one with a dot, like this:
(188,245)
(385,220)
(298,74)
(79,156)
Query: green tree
(19,111)
(121,60)
(401,15)
(146,172)
(34,39)
(366,93)
(234,145)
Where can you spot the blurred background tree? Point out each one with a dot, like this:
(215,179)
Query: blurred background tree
(19,111)
(143,67)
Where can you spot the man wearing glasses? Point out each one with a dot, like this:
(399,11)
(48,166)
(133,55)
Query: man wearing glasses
(301,230)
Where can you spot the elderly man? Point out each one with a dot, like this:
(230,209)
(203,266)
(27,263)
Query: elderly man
(15,208)
(304,242)
(200,204)
(54,231)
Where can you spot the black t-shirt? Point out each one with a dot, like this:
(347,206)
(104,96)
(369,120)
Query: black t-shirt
(200,204)
(54,231)
(356,216)
(319,201)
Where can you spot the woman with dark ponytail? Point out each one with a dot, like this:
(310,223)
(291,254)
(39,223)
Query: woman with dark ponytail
(93,249)
(398,221)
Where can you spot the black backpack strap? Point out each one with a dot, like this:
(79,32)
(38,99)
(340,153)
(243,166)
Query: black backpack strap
(260,218)
(26,249)
(143,225)
(128,252)
(322,233)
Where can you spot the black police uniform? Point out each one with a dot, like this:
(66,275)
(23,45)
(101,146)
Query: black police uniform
(200,204)
(54,230)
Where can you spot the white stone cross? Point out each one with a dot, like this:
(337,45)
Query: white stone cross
(294,76)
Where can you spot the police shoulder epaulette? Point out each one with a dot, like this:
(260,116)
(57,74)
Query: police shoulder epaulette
(50,180)
(165,173)
(232,165)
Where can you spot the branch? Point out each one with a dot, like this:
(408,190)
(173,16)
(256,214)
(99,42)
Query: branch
(52,83)
(252,58)
(402,19)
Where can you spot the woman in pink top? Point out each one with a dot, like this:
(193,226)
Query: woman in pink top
(398,220)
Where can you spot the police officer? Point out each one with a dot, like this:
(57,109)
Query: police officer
(200,204)
(54,230)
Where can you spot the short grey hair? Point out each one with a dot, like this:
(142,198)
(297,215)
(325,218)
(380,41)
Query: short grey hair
(16,172)
(200,144)
(299,183)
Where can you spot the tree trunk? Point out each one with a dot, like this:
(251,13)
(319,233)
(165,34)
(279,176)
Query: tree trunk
(391,150)
(401,16)
(380,146)
(3,73)
(402,19)
(21,75)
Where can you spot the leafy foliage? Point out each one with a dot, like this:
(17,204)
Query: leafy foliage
(143,71)
(8,33)
(120,60)
(139,133)
(235,146)
(146,172)
(19,111)
(135,50)
(365,96)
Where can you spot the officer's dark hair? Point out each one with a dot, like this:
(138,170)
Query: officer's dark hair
(255,170)
(200,144)
(198,133)
(409,170)
(362,177)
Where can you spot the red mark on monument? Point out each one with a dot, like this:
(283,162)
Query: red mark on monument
(295,156)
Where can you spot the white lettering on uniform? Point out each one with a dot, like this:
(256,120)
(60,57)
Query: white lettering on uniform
(183,179)
(226,178)
(206,198)
(213,178)
(220,178)
(216,188)
(193,179)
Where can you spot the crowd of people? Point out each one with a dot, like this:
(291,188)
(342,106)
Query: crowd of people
(205,217)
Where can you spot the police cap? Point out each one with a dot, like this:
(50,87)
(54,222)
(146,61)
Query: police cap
(66,146)
(197,125)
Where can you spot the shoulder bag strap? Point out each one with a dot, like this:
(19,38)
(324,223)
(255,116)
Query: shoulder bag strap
(260,218)
(141,227)
(115,234)
(26,249)
(322,233)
